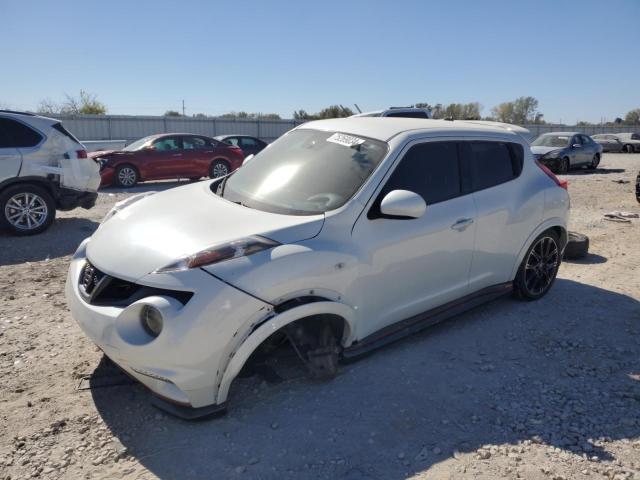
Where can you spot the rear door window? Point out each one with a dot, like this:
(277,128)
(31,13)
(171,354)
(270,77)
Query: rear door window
(19,135)
(167,143)
(492,163)
(248,142)
(195,143)
(431,170)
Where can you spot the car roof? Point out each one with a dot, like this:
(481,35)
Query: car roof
(563,133)
(385,128)
(219,137)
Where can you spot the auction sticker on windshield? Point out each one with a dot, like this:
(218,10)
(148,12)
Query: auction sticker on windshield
(345,140)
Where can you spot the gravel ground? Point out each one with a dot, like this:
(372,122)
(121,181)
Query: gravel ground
(542,390)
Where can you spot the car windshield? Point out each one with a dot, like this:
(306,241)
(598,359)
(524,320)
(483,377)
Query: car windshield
(305,172)
(137,145)
(551,141)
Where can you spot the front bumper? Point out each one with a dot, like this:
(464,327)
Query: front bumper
(185,363)
(106,176)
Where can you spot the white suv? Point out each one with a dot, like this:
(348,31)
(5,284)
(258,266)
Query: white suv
(43,167)
(342,236)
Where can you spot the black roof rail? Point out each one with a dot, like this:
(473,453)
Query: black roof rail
(19,113)
(397,108)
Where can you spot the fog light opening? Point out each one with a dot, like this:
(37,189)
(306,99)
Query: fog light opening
(151,319)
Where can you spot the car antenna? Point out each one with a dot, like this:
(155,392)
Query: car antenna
(357,107)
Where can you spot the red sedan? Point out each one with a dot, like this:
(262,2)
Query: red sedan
(170,155)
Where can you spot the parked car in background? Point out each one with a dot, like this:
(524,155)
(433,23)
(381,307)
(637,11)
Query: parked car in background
(609,142)
(43,167)
(631,141)
(404,112)
(249,145)
(342,236)
(561,151)
(168,155)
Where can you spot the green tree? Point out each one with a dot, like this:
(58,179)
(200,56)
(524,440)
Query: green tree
(172,113)
(522,110)
(333,111)
(633,117)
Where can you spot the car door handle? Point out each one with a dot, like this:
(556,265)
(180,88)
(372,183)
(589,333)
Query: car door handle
(176,155)
(462,224)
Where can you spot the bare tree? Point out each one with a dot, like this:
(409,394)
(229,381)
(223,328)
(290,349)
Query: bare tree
(85,104)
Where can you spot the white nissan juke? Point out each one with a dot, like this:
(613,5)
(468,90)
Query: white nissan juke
(341,236)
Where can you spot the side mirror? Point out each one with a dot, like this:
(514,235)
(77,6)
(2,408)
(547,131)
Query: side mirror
(247,158)
(576,145)
(403,203)
(149,148)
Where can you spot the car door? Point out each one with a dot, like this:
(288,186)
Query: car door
(616,144)
(508,209)
(414,265)
(249,146)
(197,155)
(164,160)
(576,151)
(590,148)
(10,157)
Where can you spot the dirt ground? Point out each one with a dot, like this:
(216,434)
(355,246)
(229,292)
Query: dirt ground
(541,390)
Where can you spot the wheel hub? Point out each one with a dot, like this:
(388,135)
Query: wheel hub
(26,211)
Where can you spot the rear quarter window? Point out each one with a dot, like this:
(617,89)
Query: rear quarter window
(493,163)
(19,135)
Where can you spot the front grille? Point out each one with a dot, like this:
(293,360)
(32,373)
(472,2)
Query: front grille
(98,288)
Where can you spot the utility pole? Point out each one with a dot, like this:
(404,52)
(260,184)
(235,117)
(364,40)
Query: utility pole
(183,107)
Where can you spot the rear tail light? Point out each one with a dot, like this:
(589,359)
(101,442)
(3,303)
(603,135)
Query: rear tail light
(81,153)
(561,183)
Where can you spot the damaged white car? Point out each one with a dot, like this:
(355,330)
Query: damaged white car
(43,167)
(341,236)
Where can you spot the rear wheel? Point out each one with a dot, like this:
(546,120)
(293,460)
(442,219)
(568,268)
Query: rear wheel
(595,161)
(219,168)
(126,176)
(26,210)
(539,267)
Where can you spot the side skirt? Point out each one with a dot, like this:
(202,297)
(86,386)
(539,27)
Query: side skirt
(426,319)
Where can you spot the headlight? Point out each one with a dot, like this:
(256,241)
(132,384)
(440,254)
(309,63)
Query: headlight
(124,204)
(220,253)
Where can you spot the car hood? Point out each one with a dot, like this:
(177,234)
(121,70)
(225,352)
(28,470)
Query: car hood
(540,150)
(161,228)
(100,153)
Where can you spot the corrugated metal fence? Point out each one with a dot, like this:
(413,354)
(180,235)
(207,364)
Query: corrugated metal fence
(129,128)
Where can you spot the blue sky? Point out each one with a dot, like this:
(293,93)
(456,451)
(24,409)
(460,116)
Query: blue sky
(580,59)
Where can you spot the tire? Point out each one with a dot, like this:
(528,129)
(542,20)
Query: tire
(26,209)
(539,267)
(577,246)
(628,148)
(595,161)
(564,166)
(219,168)
(126,176)
(638,187)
